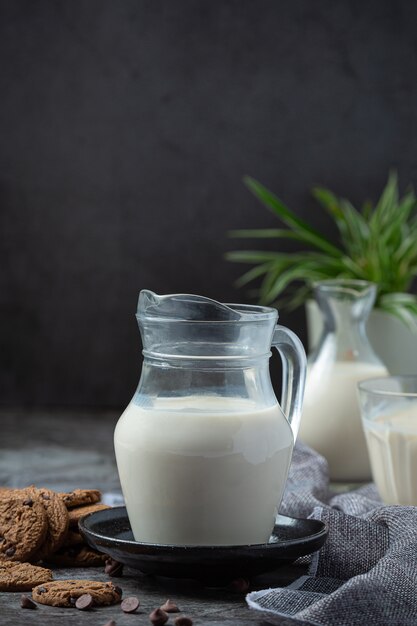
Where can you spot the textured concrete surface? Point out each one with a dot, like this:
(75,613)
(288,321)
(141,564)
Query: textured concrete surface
(58,449)
(69,449)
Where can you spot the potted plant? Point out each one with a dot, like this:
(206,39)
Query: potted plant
(377,243)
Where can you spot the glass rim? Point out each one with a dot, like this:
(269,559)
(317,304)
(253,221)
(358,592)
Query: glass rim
(259,311)
(248,312)
(344,284)
(366,385)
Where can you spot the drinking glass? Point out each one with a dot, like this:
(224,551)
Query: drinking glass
(389,416)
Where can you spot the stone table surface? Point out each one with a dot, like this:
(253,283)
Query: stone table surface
(65,449)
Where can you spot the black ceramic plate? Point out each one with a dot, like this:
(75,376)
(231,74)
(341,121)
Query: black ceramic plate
(109,531)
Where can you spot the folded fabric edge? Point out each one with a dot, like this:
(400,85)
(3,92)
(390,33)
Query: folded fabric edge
(253,598)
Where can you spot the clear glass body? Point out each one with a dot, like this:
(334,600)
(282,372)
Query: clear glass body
(389,414)
(203,449)
(331,422)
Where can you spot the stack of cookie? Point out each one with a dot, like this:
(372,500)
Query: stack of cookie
(41,525)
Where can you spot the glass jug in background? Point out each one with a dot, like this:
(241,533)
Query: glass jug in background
(331,422)
(203,449)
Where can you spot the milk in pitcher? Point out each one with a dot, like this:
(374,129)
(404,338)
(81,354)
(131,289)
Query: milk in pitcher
(202,470)
(331,421)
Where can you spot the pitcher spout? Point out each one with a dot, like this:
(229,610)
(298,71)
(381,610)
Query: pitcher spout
(188,325)
(185,307)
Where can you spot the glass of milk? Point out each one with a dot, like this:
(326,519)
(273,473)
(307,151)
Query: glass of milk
(389,414)
(203,448)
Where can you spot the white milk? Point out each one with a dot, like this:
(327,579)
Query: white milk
(392,445)
(203,470)
(331,421)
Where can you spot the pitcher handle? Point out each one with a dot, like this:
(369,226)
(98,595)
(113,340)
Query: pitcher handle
(294,364)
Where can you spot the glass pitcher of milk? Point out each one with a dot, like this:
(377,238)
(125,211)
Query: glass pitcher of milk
(331,421)
(203,449)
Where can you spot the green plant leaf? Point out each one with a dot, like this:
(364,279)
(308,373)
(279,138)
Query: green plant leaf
(266,233)
(252,274)
(289,276)
(356,236)
(392,233)
(306,267)
(288,217)
(352,226)
(403,306)
(295,297)
(328,201)
(266,289)
(405,299)
(252,256)
(353,269)
(387,203)
(378,244)
(367,208)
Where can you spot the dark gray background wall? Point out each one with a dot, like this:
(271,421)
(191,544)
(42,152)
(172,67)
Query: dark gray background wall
(125,129)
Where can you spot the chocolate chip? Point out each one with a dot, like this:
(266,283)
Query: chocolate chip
(113,568)
(170,607)
(27,603)
(73,601)
(241,585)
(41,590)
(183,620)
(84,602)
(45,496)
(28,502)
(10,551)
(158,617)
(130,604)
(117,589)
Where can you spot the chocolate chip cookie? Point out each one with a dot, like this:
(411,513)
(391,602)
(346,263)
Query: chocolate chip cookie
(58,521)
(66,592)
(77,556)
(15,576)
(80,497)
(23,526)
(76,514)
(72,539)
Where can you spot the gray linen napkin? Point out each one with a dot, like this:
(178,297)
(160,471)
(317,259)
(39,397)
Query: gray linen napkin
(366,573)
